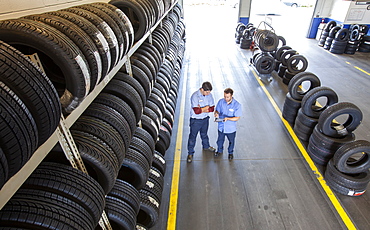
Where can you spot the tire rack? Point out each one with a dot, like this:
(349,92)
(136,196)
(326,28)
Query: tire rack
(63,135)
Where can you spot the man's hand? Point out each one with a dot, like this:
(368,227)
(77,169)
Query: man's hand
(205,109)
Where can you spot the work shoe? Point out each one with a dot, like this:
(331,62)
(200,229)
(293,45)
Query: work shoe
(231,156)
(211,149)
(190,158)
(217,154)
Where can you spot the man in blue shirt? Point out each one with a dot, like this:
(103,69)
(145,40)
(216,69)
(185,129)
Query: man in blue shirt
(202,103)
(229,111)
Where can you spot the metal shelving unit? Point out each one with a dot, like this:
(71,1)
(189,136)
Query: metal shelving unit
(62,134)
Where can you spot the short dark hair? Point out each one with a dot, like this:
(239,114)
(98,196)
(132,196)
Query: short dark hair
(229,91)
(207,86)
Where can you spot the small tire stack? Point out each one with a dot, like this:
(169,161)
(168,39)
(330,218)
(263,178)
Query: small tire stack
(330,134)
(355,36)
(365,44)
(347,173)
(239,32)
(325,32)
(331,36)
(298,87)
(247,36)
(340,41)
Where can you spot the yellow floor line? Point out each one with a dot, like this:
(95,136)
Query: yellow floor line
(172,209)
(342,213)
(362,70)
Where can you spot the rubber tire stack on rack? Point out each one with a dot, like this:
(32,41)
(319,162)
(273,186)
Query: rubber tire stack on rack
(106,134)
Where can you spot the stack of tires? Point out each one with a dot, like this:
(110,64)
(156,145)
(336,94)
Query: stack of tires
(325,32)
(355,35)
(122,136)
(311,107)
(364,44)
(280,68)
(340,41)
(330,133)
(331,36)
(247,36)
(239,32)
(298,87)
(347,173)
(29,110)
(291,63)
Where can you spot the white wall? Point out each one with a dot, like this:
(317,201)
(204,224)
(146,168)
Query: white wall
(339,10)
(357,14)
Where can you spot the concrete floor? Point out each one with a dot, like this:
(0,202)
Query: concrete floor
(269,184)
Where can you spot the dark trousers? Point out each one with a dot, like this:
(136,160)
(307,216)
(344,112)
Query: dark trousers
(201,126)
(221,140)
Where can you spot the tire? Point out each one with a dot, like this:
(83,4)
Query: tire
(80,38)
(342,35)
(309,101)
(33,88)
(127,193)
(148,124)
(119,105)
(95,35)
(113,118)
(333,32)
(103,130)
(290,109)
(147,75)
(126,93)
(282,70)
(143,148)
(133,83)
(4,169)
(62,60)
(321,148)
(18,136)
(295,84)
(326,126)
(265,64)
(149,209)
(70,183)
(286,55)
(112,25)
(145,136)
(159,162)
(329,26)
(134,169)
(120,214)
(104,28)
(155,108)
(293,64)
(267,41)
(346,160)
(353,181)
(136,14)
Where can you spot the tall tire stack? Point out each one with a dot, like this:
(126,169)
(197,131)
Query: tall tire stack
(311,108)
(330,38)
(347,173)
(325,32)
(330,134)
(285,56)
(30,110)
(340,41)
(295,64)
(298,87)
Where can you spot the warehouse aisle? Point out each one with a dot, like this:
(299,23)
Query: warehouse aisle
(268,185)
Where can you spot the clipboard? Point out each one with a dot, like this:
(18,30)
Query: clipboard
(219,119)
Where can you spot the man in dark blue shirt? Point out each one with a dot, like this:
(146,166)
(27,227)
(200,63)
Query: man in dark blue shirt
(202,103)
(228,111)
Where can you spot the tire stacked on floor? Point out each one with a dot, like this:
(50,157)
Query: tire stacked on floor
(355,36)
(330,134)
(298,87)
(279,68)
(311,108)
(239,32)
(55,195)
(331,36)
(247,36)
(347,173)
(29,110)
(325,32)
(76,46)
(365,44)
(340,41)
